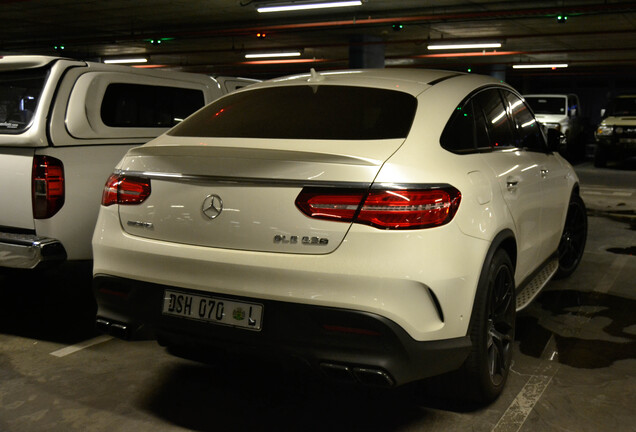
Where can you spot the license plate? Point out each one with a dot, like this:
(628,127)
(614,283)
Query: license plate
(212,309)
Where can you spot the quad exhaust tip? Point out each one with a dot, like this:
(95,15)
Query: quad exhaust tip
(354,374)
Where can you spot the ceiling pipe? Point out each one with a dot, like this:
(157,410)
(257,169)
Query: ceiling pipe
(319,25)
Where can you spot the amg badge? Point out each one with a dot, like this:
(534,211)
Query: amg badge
(305,240)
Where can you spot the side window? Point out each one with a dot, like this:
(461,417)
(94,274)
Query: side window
(459,133)
(482,138)
(500,129)
(135,105)
(529,134)
(468,129)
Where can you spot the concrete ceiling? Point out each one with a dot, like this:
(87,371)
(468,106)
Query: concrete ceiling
(212,36)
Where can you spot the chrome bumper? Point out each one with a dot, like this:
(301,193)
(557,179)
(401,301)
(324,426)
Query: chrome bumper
(26,251)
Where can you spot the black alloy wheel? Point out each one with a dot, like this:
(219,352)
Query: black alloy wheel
(492,332)
(501,325)
(573,239)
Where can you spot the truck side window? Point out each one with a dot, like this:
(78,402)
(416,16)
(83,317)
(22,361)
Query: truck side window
(135,105)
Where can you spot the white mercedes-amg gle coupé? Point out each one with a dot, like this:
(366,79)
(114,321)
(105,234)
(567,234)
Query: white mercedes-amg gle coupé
(383,226)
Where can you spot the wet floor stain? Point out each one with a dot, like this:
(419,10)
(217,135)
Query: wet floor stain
(623,251)
(591,329)
(627,216)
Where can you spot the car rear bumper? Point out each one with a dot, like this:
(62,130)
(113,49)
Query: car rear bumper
(27,251)
(340,343)
(422,283)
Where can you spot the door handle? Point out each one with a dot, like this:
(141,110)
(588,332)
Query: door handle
(511,183)
(544,172)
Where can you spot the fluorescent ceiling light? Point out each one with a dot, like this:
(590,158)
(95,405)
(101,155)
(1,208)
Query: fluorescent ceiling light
(305,6)
(540,66)
(127,60)
(273,54)
(464,46)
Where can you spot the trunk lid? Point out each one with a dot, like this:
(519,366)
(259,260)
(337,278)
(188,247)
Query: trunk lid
(240,193)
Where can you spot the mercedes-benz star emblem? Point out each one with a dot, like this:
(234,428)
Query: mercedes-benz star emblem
(212,206)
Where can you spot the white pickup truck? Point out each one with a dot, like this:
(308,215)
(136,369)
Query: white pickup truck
(64,125)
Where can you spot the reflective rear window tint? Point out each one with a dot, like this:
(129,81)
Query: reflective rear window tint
(305,112)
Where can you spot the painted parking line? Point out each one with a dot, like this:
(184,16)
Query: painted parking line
(521,407)
(80,346)
(592,190)
(606,193)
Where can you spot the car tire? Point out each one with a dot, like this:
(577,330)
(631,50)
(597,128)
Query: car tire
(492,329)
(573,238)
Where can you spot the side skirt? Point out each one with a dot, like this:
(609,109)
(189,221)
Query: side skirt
(533,285)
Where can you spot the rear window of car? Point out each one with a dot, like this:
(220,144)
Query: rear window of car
(20,92)
(321,112)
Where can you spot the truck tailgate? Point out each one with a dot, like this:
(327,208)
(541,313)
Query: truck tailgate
(16,165)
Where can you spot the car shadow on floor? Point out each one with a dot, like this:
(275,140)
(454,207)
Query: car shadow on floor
(269,396)
(55,304)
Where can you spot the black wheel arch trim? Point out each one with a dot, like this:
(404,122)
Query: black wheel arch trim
(503,240)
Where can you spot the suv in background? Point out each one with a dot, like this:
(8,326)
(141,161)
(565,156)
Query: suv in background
(616,134)
(561,112)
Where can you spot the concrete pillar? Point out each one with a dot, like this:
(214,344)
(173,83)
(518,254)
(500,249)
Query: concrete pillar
(366,52)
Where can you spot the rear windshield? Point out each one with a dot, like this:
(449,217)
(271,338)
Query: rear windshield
(546,105)
(20,92)
(305,112)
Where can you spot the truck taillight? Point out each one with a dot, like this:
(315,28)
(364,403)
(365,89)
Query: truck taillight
(385,209)
(122,189)
(47,186)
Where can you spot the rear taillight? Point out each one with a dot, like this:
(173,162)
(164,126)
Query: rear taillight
(122,189)
(385,209)
(47,186)
(340,205)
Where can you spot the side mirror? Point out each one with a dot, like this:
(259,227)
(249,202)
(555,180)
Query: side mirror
(573,112)
(557,141)
(603,113)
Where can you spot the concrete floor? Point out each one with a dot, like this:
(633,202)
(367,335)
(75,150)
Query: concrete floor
(574,361)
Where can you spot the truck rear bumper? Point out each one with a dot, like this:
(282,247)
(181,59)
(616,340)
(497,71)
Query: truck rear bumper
(27,251)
